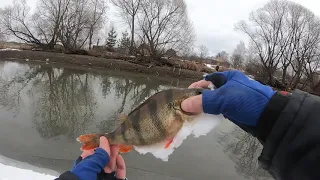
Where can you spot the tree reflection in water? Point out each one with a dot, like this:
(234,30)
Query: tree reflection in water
(244,150)
(62,101)
(13,83)
(66,102)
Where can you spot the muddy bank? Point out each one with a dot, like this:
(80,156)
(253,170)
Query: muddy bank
(96,62)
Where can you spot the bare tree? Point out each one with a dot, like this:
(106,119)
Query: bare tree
(311,72)
(96,15)
(301,30)
(238,56)
(285,36)
(307,53)
(2,35)
(265,31)
(164,25)
(222,56)
(203,51)
(129,10)
(16,20)
(48,19)
(73,32)
(70,22)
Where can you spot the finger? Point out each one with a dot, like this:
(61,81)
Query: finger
(221,78)
(200,84)
(193,105)
(121,168)
(104,144)
(218,79)
(113,158)
(85,154)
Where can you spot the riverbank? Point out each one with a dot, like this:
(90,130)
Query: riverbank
(96,62)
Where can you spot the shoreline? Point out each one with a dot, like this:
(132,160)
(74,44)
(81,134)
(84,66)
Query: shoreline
(89,62)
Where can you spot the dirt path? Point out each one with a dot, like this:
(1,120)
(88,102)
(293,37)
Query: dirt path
(89,61)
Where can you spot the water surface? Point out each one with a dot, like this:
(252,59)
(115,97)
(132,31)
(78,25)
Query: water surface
(44,108)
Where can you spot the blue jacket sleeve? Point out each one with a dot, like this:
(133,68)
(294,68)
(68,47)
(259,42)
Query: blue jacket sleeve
(89,168)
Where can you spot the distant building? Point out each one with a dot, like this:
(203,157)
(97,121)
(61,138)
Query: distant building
(98,48)
(316,89)
(210,61)
(143,49)
(171,53)
(223,63)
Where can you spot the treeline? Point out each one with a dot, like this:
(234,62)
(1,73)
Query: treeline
(284,46)
(72,23)
(283,49)
(158,25)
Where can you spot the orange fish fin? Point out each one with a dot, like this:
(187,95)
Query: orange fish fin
(89,146)
(125,148)
(169,143)
(90,141)
(122,118)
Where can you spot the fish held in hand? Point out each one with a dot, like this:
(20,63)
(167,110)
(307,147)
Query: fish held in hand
(156,123)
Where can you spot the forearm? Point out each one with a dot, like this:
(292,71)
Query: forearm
(291,137)
(270,115)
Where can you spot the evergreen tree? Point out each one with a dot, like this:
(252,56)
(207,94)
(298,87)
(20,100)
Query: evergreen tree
(112,38)
(124,45)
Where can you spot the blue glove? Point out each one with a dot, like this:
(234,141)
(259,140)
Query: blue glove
(238,98)
(102,175)
(90,167)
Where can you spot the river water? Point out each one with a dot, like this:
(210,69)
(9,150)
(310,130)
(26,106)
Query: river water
(44,108)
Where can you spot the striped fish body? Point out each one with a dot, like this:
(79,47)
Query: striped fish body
(158,119)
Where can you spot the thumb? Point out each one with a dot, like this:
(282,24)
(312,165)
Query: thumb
(192,105)
(104,144)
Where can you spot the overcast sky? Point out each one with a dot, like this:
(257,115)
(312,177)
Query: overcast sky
(214,20)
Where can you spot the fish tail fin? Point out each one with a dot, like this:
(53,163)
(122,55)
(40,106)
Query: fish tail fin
(90,141)
(125,148)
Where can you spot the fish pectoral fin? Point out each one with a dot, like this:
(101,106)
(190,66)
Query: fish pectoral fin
(169,143)
(125,148)
(122,117)
(89,146)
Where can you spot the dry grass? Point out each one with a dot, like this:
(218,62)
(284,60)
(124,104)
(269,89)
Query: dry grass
(14,45)
(173,63)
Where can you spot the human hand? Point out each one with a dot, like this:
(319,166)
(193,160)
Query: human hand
(93,164)
(237,97)
(116,164)
(115,170)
